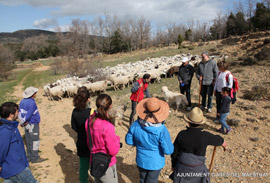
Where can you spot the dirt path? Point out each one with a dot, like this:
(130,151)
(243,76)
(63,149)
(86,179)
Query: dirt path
(245,155)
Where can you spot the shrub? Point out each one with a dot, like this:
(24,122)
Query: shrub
(213,50)
(264,54)
(266,41)
(247,60)
(257,93)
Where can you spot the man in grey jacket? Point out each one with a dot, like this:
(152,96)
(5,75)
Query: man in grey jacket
(207,73)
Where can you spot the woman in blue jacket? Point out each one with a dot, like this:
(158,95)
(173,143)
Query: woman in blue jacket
(151,138)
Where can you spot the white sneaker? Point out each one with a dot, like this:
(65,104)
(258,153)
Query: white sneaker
(209,110)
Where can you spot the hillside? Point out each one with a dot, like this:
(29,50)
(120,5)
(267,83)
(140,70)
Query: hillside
(20,35)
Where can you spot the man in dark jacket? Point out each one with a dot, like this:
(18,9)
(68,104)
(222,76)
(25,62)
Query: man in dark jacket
(13,161)
(206,74)
(188,158)
(138,90)
(185,75)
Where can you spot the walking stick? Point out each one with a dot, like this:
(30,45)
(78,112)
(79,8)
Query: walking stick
(212,160)
(200,93)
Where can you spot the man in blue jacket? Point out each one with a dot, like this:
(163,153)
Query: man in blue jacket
(30,118)
(13,161)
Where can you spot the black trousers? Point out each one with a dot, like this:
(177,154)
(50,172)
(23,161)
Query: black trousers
(186,88)
(133,109)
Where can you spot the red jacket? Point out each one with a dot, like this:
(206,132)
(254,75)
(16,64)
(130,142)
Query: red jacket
(139,94)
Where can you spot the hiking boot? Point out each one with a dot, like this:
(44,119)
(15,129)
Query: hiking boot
(203,108)
(216,120)
(39,160)
(221,130)
(209,110)
(228,131)
(188,108)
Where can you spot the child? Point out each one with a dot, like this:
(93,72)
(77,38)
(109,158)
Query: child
(225,110)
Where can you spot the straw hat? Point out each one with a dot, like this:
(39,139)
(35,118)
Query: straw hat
(28,92)
(195,116)
(153,110)
(184,59)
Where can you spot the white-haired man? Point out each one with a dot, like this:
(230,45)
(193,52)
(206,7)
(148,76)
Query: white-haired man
(185,75)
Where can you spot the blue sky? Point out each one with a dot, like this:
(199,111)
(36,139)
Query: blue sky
(48,14)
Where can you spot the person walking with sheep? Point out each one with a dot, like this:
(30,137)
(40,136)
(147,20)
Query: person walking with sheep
(138,91)
(151,138)
(14,166)
(79,115)
(30,119)
(185,75)
(206,74)
(190,147)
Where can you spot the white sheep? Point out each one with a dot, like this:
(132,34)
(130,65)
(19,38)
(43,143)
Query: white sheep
(97,86)
(120,80)
(116,114)
(174,97)
(56,92)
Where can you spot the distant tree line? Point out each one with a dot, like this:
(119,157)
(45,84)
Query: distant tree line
(245,18)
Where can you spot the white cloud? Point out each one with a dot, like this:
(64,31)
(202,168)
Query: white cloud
(45,23)
(158,11)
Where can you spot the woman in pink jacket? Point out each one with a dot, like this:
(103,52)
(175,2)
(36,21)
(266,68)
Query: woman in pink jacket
(103,137)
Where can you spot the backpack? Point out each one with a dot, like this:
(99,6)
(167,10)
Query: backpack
(235,86)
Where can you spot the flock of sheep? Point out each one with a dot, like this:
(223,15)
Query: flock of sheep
(120,76)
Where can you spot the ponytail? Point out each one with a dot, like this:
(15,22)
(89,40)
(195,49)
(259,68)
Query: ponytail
(103,104)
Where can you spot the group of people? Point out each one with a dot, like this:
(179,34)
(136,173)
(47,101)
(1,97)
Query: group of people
(14,163)
(148,133)
(214,79)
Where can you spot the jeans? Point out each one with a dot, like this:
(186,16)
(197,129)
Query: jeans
(25,176)
(133,108)
(207,89)
(186,88)
(148,176)
(222,120)
(84,167)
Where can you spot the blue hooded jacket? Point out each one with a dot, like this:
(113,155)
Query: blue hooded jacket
(152,143)
(28,111)
(12,154)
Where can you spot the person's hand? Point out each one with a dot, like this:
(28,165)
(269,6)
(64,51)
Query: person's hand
(141,85)
(180,81)
(0,168)
(200,78)
(224,145)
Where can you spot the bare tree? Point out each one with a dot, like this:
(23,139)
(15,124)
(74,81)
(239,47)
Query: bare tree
(7,61)
(143,30)
(34,44)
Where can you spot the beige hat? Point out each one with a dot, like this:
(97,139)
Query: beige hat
(29,92)
(184,59)
(153,110)
(195,116)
